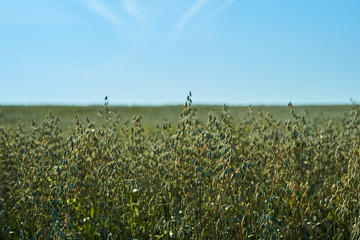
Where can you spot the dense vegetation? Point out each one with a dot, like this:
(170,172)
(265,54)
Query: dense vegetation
(256,178)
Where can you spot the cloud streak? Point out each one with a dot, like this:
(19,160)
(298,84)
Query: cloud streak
(182,22)
(188,14)
(133,11)
(178,32)
(208,18)
(105,12)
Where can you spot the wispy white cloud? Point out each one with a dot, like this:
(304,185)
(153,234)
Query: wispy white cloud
(133,10)
(208,18)
(142,29)
(124,28)
(104,12)
(182,22)
(188,14)
(179,31)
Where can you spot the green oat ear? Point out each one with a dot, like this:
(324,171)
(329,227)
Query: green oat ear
(258,176)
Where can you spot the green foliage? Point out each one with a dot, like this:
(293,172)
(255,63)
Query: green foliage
(258,178)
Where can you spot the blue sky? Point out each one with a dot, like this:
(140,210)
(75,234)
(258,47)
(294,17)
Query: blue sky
(152,52)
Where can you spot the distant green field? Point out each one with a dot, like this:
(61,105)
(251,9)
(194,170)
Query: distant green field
(152,116)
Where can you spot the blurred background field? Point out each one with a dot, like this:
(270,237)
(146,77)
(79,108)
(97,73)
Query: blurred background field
(152,116)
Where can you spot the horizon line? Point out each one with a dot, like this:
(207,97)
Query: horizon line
(177,104)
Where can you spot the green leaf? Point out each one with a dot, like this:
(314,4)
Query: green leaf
(92,212)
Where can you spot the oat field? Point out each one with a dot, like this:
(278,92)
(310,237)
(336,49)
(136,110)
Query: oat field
(254,177)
